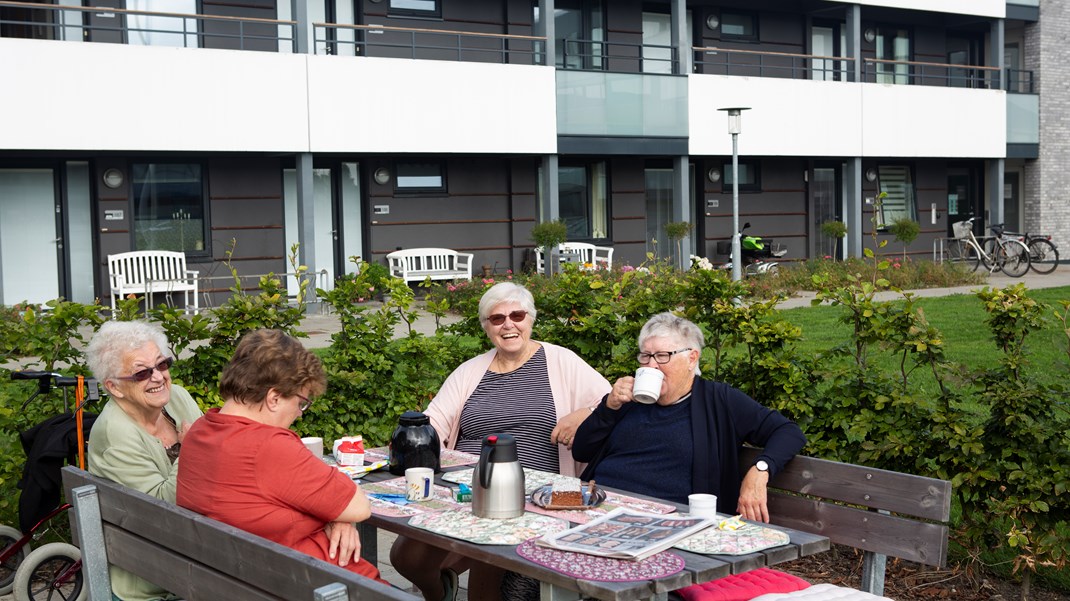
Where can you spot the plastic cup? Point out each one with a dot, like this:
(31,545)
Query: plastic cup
(314,444)
(419,481)
(647,386)
(702,505)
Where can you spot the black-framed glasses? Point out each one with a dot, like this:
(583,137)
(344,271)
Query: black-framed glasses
(144,374)
(305,402)
(661,357)
(516,317)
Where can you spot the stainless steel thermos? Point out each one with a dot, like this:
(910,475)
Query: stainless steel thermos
(498,480)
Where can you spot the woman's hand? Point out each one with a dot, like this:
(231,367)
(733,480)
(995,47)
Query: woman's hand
(345,542)
(565,431)
(621,393)
(752,496)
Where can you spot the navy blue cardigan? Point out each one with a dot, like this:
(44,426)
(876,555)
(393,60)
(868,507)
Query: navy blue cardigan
(722,419)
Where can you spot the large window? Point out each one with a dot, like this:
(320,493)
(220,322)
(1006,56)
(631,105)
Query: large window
(740,26)
(893,44)
(580,33)
(583,201)
(420,177)
(750,179)
(169,211)
(896,182)
(416,8)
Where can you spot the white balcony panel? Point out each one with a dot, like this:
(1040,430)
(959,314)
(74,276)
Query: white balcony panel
(414,106)
(984,8)
(788,117)
(930,121)
(74,96)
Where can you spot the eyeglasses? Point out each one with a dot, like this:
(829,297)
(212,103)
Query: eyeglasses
(661,357)
(144,374)
(516,317)
(305,402)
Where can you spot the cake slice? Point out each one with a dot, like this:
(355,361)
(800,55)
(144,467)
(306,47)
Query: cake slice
(566,493)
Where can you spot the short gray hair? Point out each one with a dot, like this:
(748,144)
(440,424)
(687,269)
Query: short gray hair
(667,325)
(506,292)
(115,339)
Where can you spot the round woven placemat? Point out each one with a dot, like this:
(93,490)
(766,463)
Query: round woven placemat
(604,569)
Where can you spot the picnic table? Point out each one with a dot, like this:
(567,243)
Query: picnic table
(697,567)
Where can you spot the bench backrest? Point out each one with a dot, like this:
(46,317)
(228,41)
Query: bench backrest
(141,266)
(880,511)
(199,558)
(424,259)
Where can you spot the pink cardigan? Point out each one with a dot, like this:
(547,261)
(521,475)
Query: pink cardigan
(573,384)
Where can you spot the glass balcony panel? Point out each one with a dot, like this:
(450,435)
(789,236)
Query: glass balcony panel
(1023,119)
(621,104)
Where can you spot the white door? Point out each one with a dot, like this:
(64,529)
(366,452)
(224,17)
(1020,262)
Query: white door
(29,258)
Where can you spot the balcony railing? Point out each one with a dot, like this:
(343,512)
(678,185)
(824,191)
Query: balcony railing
(118,25)
(1019,81)
(427,44)
(877,70)
(759,63)
(615,57)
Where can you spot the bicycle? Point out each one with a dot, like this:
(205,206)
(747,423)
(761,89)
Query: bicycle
(1009,255)
(1043,254)
(54,570)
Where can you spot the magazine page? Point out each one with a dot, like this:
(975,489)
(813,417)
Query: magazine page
(626,534)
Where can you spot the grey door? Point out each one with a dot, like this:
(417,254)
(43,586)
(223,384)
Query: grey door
(826,204)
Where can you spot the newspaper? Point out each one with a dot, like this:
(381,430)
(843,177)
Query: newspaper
(626,534)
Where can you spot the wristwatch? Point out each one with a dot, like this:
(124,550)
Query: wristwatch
(762,465)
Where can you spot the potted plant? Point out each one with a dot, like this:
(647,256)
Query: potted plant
(835,230)
(906,231)
(677,231)
(548,235)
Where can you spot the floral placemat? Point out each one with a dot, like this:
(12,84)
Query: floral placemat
(446,458)
(462,524)
(749,538)
(533,479)
(442,499)
(605,569)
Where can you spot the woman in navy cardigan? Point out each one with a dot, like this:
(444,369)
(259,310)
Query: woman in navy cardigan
(687,441)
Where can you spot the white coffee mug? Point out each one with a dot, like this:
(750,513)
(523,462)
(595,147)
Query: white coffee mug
(420,481)
(314,444)
(647,385)
(702,505)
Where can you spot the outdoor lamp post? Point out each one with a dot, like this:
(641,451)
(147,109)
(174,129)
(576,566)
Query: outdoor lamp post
(734,118)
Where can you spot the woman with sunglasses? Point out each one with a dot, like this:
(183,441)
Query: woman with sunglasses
(538,392)
(136,439)
(242,465)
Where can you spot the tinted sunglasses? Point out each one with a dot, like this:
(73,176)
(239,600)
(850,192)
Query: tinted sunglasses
(516,317)
(144,374)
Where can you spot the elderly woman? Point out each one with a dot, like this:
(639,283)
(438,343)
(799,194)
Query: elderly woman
(136,439)
(691,436)
(538,392)
(242,465)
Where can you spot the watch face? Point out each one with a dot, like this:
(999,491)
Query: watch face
(762,466)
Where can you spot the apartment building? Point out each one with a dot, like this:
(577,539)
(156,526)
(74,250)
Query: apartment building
(233,131)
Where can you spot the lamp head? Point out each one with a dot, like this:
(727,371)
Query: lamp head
(734,118)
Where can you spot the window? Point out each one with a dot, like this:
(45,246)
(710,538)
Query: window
(169,211)
(739,26)
(749,177)
(893,45)
(415,8)
(897,183)
(420,177)
(582,200)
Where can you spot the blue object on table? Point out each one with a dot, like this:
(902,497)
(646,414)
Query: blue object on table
(390,498)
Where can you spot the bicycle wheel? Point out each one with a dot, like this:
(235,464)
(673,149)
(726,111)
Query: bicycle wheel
(39,577)
(970,258)
(1014,258)
(1043,256)
(8,537)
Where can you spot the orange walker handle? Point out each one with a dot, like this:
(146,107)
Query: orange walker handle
(79,395)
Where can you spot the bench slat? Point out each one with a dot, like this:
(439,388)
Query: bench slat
(919,496)
(867,530)
(245,557)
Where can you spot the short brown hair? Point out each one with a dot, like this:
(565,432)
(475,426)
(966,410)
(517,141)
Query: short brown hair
(267,359)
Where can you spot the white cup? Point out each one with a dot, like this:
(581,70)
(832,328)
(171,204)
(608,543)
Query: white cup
(647,385)
(420,481)
(702,505)
(314,444)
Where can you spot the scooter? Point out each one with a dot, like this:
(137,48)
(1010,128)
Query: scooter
(756,254)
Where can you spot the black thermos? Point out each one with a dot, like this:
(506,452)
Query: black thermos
(414,444)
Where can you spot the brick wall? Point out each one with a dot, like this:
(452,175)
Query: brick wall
(1048,210)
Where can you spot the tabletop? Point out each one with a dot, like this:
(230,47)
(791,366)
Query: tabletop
(698,568)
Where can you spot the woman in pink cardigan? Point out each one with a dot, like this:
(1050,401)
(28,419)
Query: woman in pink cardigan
(538,392)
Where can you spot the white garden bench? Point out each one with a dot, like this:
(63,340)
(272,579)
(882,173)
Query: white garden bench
(149,272)
(418,264)
(598,257)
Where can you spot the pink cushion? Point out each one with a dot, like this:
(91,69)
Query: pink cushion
(743,587)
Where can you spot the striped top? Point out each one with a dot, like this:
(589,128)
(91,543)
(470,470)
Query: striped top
(517,403)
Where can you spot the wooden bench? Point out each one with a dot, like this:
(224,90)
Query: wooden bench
(598,257)
(883,513)
(418,264)
(151,271)
(195,557)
